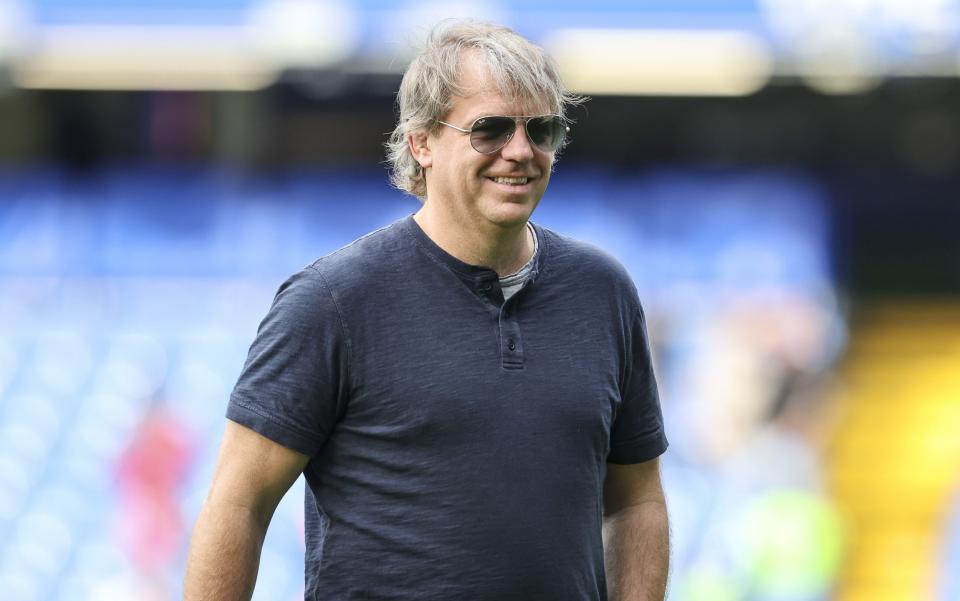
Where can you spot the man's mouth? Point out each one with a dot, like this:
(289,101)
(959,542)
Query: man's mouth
(513,181)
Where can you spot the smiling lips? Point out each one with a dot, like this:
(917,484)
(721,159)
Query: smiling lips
(511,180)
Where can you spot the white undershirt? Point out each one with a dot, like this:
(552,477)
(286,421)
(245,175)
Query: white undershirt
(510,284)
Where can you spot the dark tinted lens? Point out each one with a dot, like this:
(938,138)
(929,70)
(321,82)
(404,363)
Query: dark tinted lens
(490,134)
(547,133)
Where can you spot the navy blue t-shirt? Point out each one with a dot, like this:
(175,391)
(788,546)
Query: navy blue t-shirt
(458,443)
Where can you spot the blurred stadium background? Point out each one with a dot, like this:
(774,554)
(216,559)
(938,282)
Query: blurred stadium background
(781,177)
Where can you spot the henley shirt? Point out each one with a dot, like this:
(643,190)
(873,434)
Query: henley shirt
(458,442)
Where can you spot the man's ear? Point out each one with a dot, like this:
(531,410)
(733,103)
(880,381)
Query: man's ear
(420,148)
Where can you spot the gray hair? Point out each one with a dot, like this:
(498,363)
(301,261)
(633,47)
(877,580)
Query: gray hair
(519,69)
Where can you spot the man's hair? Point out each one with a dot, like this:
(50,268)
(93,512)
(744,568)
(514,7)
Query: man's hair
(520,70)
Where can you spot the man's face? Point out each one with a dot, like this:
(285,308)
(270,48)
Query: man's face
(464,181)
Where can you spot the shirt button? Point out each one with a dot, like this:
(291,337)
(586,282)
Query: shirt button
(511,344)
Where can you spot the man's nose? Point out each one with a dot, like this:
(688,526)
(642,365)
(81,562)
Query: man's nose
(519,146)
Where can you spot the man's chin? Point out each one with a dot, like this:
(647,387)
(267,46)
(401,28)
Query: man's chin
(512,212)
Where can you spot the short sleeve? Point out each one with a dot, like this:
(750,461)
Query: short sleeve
(292,387)
(637,434)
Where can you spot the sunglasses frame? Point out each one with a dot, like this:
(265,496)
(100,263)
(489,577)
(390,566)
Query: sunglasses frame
(516,119)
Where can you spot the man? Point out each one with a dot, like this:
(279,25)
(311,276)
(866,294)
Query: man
(469,396)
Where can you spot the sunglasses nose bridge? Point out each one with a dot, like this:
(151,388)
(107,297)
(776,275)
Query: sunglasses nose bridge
(509,137)
(522,124)
(518,123)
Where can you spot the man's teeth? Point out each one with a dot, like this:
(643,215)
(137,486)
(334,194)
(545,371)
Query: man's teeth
(510,180)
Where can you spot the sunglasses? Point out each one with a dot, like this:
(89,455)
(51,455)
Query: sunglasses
(490,134)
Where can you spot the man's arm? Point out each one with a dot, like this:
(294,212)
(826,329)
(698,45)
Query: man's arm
(251,477)
(635,532)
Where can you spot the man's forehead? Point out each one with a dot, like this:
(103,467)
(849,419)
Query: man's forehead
(478,86)
(492,103)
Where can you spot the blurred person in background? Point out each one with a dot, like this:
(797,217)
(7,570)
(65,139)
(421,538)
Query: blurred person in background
(469,396)
(150,474)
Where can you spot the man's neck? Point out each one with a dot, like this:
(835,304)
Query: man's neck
(501,248)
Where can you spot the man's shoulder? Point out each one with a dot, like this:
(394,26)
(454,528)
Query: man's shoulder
(378,251)
(590,270)
(582,259)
